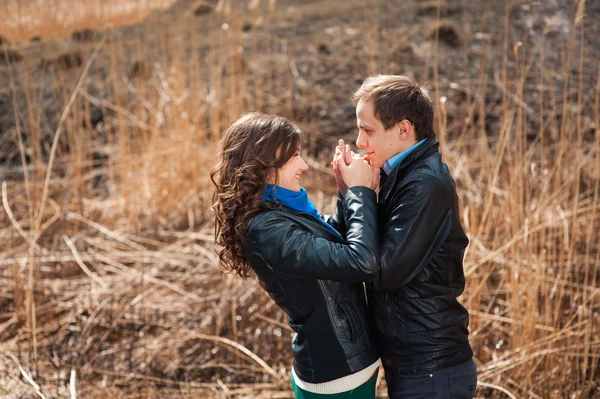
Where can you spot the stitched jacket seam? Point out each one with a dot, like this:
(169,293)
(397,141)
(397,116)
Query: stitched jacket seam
(331,319)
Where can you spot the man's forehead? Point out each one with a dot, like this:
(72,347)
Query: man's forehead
(364,109)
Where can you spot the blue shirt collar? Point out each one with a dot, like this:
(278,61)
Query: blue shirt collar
(394,161)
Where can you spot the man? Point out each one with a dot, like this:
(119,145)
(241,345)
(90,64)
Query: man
(421,328)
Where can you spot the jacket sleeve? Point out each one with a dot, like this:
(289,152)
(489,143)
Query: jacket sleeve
(287,249)
(419,223)
(337,220)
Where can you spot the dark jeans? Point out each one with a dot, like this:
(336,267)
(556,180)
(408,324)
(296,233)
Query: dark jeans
(456,382)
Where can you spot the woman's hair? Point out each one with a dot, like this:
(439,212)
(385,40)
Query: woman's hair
(251,150)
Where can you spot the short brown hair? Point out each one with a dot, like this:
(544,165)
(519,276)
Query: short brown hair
(398,97)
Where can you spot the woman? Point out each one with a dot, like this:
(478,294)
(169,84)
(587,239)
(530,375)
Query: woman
(266,225)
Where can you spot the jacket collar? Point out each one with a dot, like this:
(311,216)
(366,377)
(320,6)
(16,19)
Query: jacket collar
(303,217)
(429,147)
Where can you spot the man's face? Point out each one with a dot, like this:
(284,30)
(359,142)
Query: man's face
(379,143)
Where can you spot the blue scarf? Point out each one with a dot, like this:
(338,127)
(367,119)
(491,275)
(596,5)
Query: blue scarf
(297,200)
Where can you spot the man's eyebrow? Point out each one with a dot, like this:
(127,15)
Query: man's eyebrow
(364,125)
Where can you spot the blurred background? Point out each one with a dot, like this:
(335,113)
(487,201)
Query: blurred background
(110,115)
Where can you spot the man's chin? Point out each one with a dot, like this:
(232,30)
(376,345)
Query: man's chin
(373,160)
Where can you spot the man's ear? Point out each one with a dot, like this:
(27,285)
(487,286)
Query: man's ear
(405,128)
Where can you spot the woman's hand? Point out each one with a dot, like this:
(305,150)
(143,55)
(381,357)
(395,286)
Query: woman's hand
(359,172)
(343,152)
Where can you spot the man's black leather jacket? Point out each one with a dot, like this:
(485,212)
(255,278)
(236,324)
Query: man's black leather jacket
(316,278)
(420,325)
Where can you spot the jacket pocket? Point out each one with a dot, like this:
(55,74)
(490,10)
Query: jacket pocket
(351,318)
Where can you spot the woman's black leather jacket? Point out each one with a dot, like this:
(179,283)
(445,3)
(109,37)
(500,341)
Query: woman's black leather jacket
(316,278)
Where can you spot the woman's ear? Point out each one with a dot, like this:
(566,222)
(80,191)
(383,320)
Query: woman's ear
(272,177)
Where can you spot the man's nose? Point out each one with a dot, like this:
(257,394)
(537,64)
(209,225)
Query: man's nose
(360,140)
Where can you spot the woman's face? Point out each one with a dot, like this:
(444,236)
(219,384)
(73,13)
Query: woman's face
(289,174)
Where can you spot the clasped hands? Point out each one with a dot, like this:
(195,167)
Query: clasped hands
(352,169)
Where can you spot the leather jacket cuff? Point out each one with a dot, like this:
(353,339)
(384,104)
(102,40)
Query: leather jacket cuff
(359,192)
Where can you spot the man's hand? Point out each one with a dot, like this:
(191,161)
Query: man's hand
(358,173)
(376,170)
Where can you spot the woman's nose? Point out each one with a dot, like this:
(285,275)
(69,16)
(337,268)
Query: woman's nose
(304,165)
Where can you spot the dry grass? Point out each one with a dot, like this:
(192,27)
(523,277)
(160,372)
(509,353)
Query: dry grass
(4,41)
(108,282)
(65,59)
(202,8)
(58,18)
(446,32)
(431,7)
(9,56)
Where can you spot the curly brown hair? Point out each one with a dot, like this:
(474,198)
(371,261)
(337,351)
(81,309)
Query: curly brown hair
(251,151)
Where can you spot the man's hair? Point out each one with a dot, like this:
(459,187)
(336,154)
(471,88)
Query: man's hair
(398,97)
